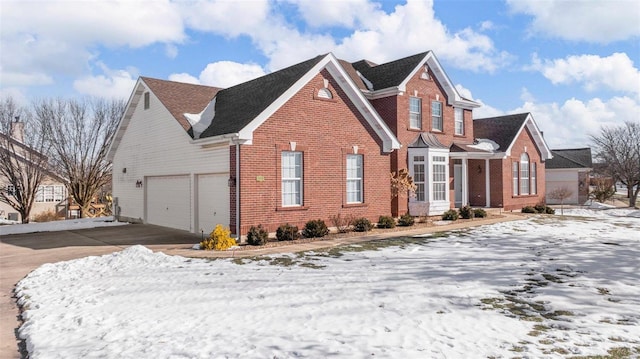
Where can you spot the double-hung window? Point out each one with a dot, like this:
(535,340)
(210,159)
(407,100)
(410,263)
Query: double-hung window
(524,174)
(436,115)
(515,172)
(11,190)
(415,113)
(534,185)
(354,179)
(439,178)
(459,121)
(418,177)
(291,178)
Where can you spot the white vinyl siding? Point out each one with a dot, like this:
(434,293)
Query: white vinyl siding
(291,178)
(415,113)
(459,121)
(436,115)
(439,178)
(354,179)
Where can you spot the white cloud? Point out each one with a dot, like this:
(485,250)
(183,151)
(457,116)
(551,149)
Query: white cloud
(116,84)
(222,74)
(230,18)
(615,72)
(345,13)
(585,20)
(569,124)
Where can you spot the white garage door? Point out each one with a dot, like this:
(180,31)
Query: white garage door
(169,201)
(213,201)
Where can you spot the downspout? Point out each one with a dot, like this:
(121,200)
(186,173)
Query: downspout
(238,191)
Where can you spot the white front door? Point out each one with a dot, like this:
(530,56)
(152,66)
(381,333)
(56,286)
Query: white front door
(457,184)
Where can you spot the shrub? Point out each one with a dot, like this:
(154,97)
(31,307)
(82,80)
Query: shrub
(479,213)
(257,236)
(528,209)
(406,220)
(603,190)
(386,222)
(540,208)
(549,210)
(287,232)
(450,215)
(47,216)
(315,229)
(362,225)
(466,212)
(219,240)
(342,224)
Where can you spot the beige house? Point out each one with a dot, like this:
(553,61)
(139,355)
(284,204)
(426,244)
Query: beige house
(52,192)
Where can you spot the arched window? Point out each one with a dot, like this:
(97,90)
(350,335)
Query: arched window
(325,93)
(524,174)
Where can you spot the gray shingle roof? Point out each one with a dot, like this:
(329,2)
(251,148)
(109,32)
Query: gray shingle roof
(501,129)
(388,74)
(237,106)
(570,158)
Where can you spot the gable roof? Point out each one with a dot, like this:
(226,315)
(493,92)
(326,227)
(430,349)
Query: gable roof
(504,130)
(392,77)
(570,158)
(180,98)
(237,106)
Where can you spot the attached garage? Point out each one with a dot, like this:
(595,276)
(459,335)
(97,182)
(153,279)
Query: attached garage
(212,201)
(168,201)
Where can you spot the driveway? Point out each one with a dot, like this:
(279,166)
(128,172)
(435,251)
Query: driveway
(21,253)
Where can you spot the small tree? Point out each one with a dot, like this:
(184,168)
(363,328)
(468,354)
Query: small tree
(561,194)
(401,182)
(603,189)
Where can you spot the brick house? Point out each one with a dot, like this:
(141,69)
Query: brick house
(315,140)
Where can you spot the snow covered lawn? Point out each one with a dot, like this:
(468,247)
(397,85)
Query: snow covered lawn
(542,287)
(13,227)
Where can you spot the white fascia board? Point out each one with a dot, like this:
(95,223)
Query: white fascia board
(389,140)
(230,138)
(389,91)
(477,156)
(133,101)
(537,138)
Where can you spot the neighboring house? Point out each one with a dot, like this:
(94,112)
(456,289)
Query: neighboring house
(50,192)
(569,168)
(315,140)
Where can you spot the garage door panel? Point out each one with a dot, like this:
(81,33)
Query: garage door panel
(168,201)
(213,201)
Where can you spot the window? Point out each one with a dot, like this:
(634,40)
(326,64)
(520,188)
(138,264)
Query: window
(415,112)
(40,194)
(459,121)
(354,179)
(439,178)
(11,190)
(524,174)
(515,171)
(48,193)
(436,115)
(291,178)
(534,185)
(146,100)
(418,177)
(58,193)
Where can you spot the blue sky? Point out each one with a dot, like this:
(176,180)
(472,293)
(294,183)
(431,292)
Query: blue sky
(572,63)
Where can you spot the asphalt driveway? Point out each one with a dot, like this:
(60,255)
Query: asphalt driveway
(22,253)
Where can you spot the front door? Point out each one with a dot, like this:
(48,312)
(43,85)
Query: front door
(457,184)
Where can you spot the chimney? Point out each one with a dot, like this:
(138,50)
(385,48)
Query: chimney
(17,130)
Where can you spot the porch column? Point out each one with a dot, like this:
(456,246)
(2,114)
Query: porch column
(465,182)
(487,182)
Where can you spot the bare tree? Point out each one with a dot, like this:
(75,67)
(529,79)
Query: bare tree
(561,194)
(23,163)
(618,148)
(80,132)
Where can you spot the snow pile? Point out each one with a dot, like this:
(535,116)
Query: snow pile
(66,225)
(432,297)
(486,145)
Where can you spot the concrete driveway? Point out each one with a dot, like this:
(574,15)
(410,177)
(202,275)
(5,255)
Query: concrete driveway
(22,253)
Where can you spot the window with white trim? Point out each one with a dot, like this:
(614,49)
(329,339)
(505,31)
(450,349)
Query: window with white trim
(10,189)
(439,178)
(459,121)
(436,115)
(146,101)
(515,172)
(534,184)
(419,177)
(415,112)
(524,174)
(291,178)
(354,179)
